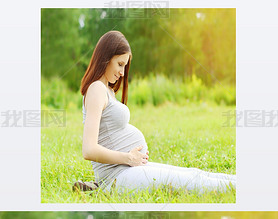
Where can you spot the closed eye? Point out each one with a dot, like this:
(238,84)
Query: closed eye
(121,64)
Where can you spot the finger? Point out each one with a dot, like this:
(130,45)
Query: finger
(147,152)
(144,161)
(139,148)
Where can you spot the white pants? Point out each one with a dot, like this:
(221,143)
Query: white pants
(153,175)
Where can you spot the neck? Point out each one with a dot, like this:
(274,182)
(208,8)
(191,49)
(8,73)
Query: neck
(104,80)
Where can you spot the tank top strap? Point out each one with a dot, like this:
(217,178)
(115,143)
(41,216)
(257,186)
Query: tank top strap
(107,92)
(110,94)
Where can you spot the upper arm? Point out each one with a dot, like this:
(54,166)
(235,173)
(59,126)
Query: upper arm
(96,99)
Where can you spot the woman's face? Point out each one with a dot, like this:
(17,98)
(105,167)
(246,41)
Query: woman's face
(115,68)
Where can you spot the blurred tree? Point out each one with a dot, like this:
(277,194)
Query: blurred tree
(61,44)
(189,41)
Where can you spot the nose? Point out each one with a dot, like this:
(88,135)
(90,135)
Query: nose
(121,73)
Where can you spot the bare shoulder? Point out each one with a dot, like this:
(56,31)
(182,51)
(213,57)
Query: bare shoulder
(97,86)
(96,94)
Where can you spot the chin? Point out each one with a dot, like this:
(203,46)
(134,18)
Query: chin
(113,81)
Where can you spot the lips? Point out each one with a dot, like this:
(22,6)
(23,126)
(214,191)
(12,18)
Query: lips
(117,77)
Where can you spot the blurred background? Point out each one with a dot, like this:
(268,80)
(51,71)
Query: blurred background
(186,55)
(146,215)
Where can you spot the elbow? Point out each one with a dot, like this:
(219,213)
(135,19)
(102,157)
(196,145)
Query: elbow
(85,153)
(86,156)
(88,153)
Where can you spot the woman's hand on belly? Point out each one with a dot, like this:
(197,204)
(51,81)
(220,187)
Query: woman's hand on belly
(136,158)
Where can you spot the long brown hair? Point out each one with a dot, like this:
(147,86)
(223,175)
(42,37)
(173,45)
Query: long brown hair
(110,44)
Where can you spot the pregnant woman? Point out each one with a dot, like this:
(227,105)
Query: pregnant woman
(118,151)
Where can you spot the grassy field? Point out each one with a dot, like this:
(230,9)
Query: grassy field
(187,136)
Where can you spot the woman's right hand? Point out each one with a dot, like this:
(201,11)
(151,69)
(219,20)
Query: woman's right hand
(136,158)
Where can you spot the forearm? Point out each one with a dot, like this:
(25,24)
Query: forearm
(101,154)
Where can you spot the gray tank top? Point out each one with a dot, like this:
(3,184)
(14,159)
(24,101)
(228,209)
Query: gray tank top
(115,133)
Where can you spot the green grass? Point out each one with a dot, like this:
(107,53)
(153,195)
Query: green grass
(187,136)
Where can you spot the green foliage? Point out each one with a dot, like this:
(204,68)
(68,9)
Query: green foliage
(190,41)
(159,89)
(194,89)
(223,95)
(141,92)
(162,90)
(56,94)
(153,89)
(61,45)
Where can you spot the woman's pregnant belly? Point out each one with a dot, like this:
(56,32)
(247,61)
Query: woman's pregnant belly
(126,139)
